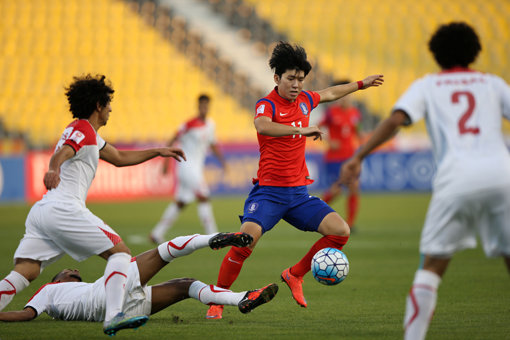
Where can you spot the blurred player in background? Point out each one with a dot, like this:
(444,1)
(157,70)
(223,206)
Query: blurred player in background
(196,137)
(343,123)
(463,110)
(60,222)
(70,299)
(280,191)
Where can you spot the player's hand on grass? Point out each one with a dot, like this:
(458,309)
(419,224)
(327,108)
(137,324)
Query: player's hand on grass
(350,171)
(51,179)
(312,131)
(176,153)
(374,80)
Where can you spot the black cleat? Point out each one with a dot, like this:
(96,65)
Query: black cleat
(238,239)
(255,298)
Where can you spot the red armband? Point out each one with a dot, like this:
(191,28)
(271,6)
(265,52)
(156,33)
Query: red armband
(360,84)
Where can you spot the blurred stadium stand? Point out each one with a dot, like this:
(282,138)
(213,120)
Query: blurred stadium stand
(159,59)
(155,72)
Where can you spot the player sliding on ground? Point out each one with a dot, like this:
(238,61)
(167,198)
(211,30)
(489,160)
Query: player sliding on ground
(60,222)
(68,298)
(280,192)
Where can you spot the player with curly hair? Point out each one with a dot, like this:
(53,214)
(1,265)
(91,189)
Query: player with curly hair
(60,222)
(280,189)
(463,110)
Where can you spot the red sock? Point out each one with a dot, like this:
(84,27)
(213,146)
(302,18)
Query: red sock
(332,241)
(352,209)
(231,266)
(327,197)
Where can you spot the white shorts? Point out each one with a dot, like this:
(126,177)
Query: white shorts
(138,298)
(55,228)
(190,185)
(453,222)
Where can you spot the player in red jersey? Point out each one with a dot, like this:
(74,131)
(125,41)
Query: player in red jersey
(280,191)
(342,121)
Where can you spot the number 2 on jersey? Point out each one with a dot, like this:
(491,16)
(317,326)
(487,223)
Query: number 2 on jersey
(463,128)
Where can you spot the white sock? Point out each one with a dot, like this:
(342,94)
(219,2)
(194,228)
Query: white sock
(206,216)
(212,295)
(167,220)
(420,304)
(11,285)
(182,246)
(115,275)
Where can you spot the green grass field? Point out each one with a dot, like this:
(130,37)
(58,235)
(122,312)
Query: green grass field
(473,302)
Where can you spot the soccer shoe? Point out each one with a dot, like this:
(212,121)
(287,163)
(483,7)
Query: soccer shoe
(222,240)
(296,286)
(121,321)
(255,298)
(214,312)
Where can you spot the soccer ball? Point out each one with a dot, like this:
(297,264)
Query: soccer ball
(330,266)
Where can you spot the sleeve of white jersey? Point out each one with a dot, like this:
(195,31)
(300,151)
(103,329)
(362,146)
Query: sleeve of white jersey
(413,101)
(504,92)
(39,301)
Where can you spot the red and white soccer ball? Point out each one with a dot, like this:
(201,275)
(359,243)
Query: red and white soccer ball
(330,266)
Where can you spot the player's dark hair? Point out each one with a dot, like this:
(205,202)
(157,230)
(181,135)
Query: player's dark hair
(86,92)
(56,276)
(287,57)
(455,44)
(203,97)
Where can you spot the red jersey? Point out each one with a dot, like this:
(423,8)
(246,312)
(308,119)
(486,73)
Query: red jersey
(282,159)
(342,124)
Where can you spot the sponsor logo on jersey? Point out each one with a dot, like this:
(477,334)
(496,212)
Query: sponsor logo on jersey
(283,114)
(303,108)
(77,136)
(261,109)
(253,207)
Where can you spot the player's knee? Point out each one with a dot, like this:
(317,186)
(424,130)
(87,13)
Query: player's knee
(333,224)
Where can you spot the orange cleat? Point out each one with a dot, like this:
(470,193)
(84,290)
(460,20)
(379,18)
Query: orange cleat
(296,286)
(214,312)
(255,298)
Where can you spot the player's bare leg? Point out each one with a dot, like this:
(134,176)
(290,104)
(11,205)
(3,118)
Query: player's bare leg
(336,233)
(173,291)
(232,264)
(422,298)
(24,272)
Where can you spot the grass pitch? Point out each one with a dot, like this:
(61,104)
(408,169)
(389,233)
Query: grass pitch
(473,302)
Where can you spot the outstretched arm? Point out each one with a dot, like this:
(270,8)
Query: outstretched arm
(132,157)
(26,314)
(265,126)
(387,129)
(336,92)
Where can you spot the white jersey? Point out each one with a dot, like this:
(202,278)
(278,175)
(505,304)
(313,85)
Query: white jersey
(77,173)
(195,136)
(463,111)
(82,301)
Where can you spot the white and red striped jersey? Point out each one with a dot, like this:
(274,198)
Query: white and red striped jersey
(77,173)
(463,111)
(195,137)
